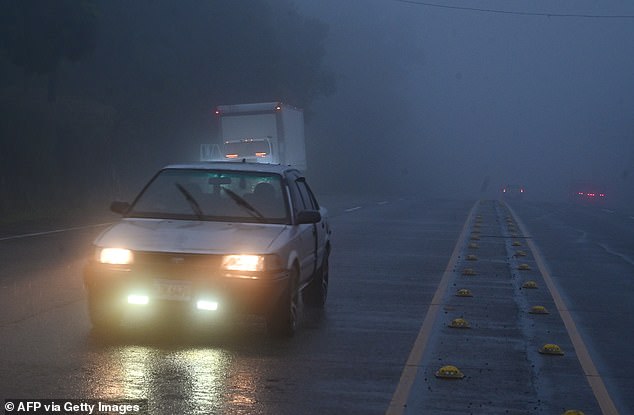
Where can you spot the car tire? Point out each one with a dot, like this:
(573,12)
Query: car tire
(282,321)
(316,292)
(104,315)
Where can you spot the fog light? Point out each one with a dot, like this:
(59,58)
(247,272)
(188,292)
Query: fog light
(138,299)
(207,305)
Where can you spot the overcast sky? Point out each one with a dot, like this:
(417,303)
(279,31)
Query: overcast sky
(455,96)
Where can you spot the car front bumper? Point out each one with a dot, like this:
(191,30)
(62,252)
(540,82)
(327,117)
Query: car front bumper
(184,287)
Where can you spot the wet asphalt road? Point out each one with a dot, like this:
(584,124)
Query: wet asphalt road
(388,259)
(590,253)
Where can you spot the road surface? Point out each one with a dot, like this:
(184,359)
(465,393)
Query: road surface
(368,352)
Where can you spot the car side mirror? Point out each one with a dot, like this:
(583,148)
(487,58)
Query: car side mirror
(308,216)
(120,207)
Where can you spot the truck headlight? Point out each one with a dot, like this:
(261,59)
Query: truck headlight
(251,263)
(116,256)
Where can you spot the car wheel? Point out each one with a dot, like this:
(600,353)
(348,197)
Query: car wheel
(104,315)
(282,321)
(316,292)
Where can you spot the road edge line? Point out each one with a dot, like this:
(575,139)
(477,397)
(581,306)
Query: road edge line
(408,375)
(583,355)
(33,234)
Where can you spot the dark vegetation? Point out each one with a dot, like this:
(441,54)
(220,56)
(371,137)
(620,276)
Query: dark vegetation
(97,94)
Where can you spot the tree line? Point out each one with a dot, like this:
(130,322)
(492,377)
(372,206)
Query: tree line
(97,93)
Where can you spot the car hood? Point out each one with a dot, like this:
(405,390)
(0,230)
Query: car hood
(161,235)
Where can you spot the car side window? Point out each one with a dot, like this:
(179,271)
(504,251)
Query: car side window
(295,197)
(308,200)
(312,196)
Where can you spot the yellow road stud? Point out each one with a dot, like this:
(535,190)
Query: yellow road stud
(463,292)
(449,372)
(550,348)
(538,309)
(459,323)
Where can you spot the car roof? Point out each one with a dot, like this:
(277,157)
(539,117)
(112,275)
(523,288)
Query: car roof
(234,166)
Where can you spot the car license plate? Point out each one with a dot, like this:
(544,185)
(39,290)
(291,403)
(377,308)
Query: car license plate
(173,290)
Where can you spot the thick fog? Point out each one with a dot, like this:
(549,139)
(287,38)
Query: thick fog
(458,101)
(450,99)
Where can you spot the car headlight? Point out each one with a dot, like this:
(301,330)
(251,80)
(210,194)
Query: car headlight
(252,263)
(115,256)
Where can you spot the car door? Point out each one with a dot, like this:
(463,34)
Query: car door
(321,228)
(307,233)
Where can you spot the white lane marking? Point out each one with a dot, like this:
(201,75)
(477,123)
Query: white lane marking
(75,228)
(382,202)
(631,217)
(610,251)
(399,400)
(607,211)
(353,209)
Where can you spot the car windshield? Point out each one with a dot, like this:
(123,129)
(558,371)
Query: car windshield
(213,195)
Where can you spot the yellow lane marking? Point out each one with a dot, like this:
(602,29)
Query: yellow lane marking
(592,374)
(399,399)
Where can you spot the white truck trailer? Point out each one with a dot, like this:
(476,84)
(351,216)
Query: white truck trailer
(268,132)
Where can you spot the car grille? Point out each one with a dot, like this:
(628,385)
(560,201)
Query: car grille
(176,265)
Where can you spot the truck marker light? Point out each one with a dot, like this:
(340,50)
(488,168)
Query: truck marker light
(260,154)
(138,299)
(231,156)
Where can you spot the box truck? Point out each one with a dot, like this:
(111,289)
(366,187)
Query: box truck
(267,132)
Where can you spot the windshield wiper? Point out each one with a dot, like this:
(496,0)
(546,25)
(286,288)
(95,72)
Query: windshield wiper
(192,202)
(241,202)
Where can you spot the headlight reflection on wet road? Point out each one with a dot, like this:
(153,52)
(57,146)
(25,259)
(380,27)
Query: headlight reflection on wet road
(181,381)
(207,374)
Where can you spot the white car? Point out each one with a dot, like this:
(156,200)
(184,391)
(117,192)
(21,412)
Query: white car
(211,238)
